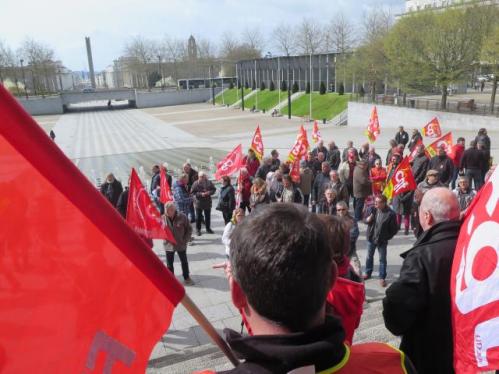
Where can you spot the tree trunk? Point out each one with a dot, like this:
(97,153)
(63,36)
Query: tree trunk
(373,91)
(443,103)
(493,96)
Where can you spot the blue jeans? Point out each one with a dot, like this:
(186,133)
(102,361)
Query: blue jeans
(371,247)
(358,207)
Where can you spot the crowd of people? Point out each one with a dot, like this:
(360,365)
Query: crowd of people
(294,284)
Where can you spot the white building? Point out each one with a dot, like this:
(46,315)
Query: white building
(415,5)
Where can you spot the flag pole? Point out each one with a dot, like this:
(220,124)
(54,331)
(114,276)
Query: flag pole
(208,328)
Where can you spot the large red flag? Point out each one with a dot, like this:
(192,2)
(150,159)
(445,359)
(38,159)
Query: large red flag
(80,291)
(142,214)
(165,190)
(257,143)
(401,181)
(415,150)
(230,164)
(373,128)
(445,141)
(300,148)
(432,129)
(475,284)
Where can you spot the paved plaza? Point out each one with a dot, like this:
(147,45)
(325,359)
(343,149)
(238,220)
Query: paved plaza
(114,141)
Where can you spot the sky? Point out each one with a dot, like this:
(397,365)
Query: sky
(63,24)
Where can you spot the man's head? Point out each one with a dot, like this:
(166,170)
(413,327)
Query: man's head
(281,273)
(202,175)
(333,175)
(365,147)
(325,167)
(482,131)
(415,132)
(320,157)
(330,194)
(226,180)
(421,150)
(155,169)
(372,150)
(287,182)
(342,208)
(392,143)
(432,176)
(380,202)
(332,145)
(400,148)
(184,178)
(274,154)
(349,144)
(251,153)
(110,178)
(464,184)
(351,155)
(461,141)
(320,144)
(401,129)
(473,144)
(438,205)
(442,151)
(170,209)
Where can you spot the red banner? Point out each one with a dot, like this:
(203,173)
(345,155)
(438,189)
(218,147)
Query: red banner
(445,141)
(415,150)
(257,143)
(300,148)
(401,181)
(165,190)
(373,128)
(80,291)
(294,173)
(475,284)
(230,164)
(316,134)
(142,214)
(432,129)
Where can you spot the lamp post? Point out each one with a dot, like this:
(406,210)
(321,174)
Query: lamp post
(242,90)
(24,78)
(160,72)
(289,93)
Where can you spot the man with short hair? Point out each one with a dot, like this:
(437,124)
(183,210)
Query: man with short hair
(320,148)
(456,156)
(321,182)
(344,155)
(275,160)
(402,137)
(306,180)
(443,164)
(464,193)
(202,190)
(289,193)
(338,187)
(290,330)
(264,168)
(472,165)
(418,305)
(192,177)
(420,164)
(361,188)
(111,189)
(333,156)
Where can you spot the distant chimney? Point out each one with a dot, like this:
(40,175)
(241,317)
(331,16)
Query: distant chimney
(90,62)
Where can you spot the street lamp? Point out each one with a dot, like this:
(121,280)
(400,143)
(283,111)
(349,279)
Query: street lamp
(160,72)
(289,93)
(24,78)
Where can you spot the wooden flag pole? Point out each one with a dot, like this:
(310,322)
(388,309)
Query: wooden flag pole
(208,328)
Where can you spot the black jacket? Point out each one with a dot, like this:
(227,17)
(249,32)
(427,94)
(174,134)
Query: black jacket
(385,230)
(418,306)
(473,159)
(262,171)
(414,140)
(419,168)
(402,138)
(334,158)
(112,191)
(445,168)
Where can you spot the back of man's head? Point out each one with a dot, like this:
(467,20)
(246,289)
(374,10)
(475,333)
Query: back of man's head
(438,205)
(282,261)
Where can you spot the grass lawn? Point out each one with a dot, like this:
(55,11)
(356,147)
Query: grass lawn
(231,96)
(266,99)
(323,106)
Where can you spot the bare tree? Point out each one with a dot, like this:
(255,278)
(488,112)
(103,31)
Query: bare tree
(140,53)
(228,44)
(254,39)
(309,37)
(40,59)
(376,24)
(206,50)
(175,50)
(7,61)
(284,39)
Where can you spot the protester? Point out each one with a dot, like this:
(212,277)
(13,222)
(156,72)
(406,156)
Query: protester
(464,193)
(321,182)
(443,164)
(244,188)
(111,189)
(284,168)
(400,150)
(251,163)
(483,139)
(418,305)
(456,156)
(402,137)
(275,159)
(155,180)
(287,318)
(382,227)
(264,168)
(344,155)
(237,217)
(192,177)
(378,177)
(318,162)
(347,296)
(306,181)
(333,156)
(402,205)
(320,148)
(472,165)
(52,135)
(345,171)
(202,190)
(364,152)
(328,204)
(415,138)
(391,150)
(259,194)
(432,181)
(181,229)
(336,185)
(342,212)
(122,203)
(181,195)
(420,165)
(392,165)
(289,193)
(226,199)
(275,185)
(313,164)
(372,156)
(486,157)
(361,188)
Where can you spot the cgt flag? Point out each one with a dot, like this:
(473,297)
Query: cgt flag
(401,181)
(257,144)
(80,291)
(475,284)
(230,164)
(445,141)
(432,129)
(165,190)
(294,173)
(316,134)
(142,214)
(373,128)
(300,148)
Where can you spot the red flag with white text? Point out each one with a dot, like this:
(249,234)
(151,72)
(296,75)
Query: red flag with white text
(401,181)
(445,141)
(316,134)
(80,291)
(142,214)
(300,148)
(232,163)
(432,129)
(475,284)
(257,143)
(373,128)
(165,190)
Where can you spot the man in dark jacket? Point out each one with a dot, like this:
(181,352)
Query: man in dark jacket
(420,165)
(443,164)
(333,156)
(402,137)
(418,306)
(320,148)
(122,203)
(321,182)
(202,190)
(361,188)
(472,165)
(415,138)
(155,179)
(483,143)
(264,168)
(192,177)
(111,189)
(382,227)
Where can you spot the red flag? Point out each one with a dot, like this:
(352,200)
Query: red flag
(475,284)
(295,171)
(300,148)
(142,214)
(414,151)
(373,128)
(257,143)
(432,129)
(80,291)
(316,135)
(231,163)
(446,141)
(165,190)
(401,181)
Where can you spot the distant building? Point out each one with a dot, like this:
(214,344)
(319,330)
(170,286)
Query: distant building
(417,5)
(192,49)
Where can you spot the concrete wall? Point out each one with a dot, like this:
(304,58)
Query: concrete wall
(78,97)
(39,106)
(393,117)
(166,98)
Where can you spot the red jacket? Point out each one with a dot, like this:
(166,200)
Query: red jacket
(251,165)
(457,154)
